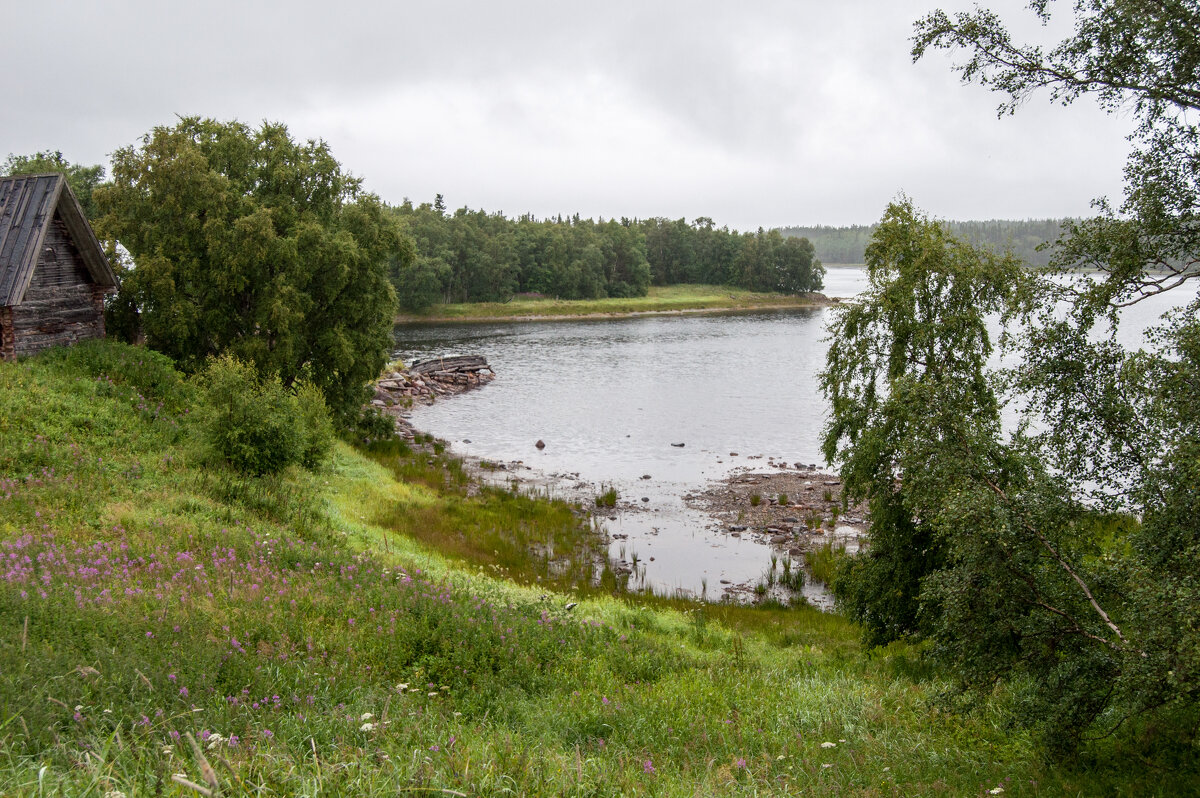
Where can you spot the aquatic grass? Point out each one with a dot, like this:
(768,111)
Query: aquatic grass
(607,498)
(822,561)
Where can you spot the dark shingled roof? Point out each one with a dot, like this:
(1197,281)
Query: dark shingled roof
(27,206)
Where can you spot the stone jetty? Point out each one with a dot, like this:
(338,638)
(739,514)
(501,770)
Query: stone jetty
(426,381)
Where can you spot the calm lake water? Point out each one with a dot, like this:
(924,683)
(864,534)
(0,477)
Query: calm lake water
(610,398)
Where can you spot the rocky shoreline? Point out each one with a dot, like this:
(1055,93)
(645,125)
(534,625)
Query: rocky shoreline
(790,510)
(425,382)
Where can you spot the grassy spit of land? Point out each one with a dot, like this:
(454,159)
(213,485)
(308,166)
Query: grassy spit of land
(379,627)
(660,299)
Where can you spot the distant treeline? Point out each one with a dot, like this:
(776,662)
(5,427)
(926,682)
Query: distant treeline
(475,256)
(847,244)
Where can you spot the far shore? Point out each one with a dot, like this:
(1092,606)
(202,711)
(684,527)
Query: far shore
(668,300)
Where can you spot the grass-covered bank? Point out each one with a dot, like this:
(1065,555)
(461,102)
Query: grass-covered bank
(659,299)
(351,631)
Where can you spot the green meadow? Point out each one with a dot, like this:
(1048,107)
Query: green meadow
(658,299)
(381,626)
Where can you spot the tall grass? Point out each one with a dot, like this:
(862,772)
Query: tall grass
(822,561)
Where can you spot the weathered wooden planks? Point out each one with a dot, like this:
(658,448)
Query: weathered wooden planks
(459,364)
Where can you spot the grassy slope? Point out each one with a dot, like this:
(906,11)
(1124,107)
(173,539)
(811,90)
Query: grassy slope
(144,598)
(660,299)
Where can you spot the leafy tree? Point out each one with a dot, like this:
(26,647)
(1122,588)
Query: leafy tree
(1066,550)
(1136,57)
(905,378)
(249,243)
(82,179)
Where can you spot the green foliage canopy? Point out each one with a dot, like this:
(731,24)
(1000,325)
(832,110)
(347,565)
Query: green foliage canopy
(250,243)
(911,404)
(82,179)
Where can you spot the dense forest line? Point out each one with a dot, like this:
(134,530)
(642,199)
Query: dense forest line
(1021,237)
(475,256)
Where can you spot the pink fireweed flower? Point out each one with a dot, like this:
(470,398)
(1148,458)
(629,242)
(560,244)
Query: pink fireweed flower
(648,766)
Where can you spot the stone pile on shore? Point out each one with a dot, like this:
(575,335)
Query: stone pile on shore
(397,391)
(789,510)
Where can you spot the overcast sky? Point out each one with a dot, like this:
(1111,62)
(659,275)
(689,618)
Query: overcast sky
(752,113)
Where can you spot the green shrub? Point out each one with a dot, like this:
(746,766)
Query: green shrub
(755,499)
(256,425)
(783,500)
(372,425)
(317,425)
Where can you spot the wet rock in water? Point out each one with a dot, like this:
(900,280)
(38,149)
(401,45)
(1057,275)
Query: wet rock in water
(726,582)
(737,528)
(777,539)
(541,444)
(795,552)
(733,454)
(645,498)
(679,445)
(466,440)
(645,476)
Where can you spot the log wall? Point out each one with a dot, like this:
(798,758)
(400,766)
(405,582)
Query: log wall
(7,349)
(62,304)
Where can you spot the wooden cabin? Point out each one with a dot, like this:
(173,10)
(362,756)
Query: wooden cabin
(53,273)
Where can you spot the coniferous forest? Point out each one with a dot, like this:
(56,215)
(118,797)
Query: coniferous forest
(476,256)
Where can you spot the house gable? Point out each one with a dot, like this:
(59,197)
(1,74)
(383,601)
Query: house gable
(31,208)
(53,273)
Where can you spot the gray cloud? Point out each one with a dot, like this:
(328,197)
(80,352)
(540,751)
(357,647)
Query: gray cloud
(761,113)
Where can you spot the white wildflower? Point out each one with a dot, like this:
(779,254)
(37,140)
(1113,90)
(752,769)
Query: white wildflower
(402,686)
(366,727)
(366,716)
(828,744)
(114,794)
(168,750)
(995,791)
